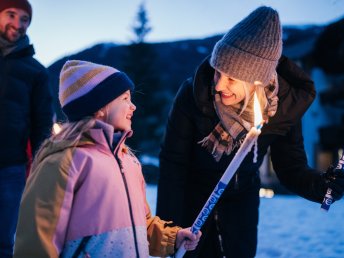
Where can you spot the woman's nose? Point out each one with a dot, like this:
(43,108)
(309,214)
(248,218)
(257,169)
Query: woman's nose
(220,84)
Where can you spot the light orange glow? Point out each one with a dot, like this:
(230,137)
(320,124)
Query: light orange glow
(258,118)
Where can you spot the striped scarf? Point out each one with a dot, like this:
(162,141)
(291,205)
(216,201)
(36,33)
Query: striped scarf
(230,132)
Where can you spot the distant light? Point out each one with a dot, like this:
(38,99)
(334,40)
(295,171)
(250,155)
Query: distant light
(202,50)
(56,128)
(266,193)
(149,160)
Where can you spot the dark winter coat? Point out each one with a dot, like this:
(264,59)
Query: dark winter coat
(25,105)
(189,173)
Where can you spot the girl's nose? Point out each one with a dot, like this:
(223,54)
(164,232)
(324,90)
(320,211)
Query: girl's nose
(132,107)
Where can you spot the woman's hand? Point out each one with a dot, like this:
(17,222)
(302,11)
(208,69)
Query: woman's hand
(191,240)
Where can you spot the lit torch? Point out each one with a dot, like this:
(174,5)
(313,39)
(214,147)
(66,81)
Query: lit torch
(245,148)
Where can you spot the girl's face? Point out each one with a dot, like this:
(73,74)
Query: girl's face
(232,91)
(119,112)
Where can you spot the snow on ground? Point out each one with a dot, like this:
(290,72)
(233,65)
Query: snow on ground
(292,227)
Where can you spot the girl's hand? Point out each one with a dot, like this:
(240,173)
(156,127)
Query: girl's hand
(191,240)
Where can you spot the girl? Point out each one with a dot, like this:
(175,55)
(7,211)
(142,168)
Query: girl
(86,194)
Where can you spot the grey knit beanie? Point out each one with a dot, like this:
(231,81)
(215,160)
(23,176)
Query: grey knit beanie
(250,50)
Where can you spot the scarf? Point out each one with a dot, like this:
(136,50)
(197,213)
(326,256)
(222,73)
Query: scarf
(234,123)
(7,47)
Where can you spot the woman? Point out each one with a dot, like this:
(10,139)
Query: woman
(85,196)
(210,117)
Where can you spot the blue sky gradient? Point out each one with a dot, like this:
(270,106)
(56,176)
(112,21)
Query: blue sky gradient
(64,27)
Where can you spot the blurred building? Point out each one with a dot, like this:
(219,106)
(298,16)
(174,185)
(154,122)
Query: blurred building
(320,51)
(329,57)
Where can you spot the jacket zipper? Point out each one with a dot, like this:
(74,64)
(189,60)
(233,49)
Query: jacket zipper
(129,203)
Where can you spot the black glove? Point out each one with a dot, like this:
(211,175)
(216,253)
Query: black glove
(334,179)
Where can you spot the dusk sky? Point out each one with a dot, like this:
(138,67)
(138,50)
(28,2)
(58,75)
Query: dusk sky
(65,27)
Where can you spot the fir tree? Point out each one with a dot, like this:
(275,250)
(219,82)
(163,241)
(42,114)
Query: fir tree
(140,65)
(141,26)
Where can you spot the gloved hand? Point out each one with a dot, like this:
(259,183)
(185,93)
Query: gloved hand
(334,179)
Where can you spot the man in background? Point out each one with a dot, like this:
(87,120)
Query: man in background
(25,112)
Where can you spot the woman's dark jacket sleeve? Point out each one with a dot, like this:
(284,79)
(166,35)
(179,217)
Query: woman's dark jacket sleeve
(290,163)
(287,151)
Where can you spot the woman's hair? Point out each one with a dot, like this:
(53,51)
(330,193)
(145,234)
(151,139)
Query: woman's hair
(263,101)
(261,95)
(247,97)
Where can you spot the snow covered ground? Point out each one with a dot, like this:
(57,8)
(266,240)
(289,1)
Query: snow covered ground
(291,227)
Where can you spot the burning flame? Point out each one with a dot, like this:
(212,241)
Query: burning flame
(56,128)
(258,118)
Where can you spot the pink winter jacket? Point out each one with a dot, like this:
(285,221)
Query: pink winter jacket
(88,190)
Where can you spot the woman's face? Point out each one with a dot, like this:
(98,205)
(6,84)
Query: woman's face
(232,91)
(119,112)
